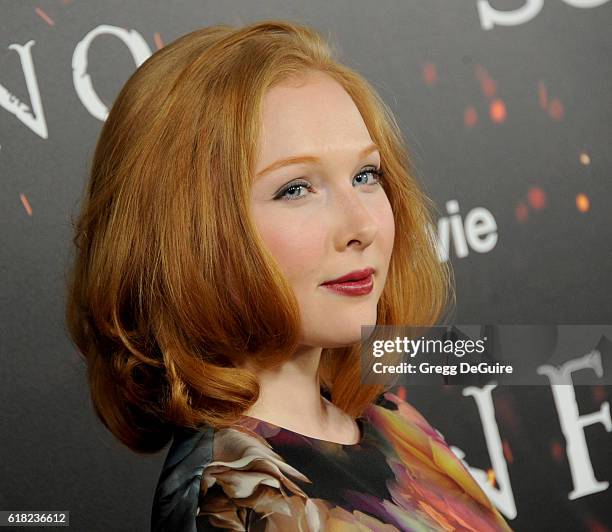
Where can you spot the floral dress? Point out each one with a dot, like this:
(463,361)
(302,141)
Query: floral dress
(400,476)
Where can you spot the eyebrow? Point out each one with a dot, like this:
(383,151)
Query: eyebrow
(307,159)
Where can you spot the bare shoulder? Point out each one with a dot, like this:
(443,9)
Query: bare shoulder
(345,428)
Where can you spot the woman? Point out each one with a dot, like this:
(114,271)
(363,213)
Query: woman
(240,170)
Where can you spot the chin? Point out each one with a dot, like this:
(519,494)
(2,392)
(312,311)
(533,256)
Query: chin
(342,336)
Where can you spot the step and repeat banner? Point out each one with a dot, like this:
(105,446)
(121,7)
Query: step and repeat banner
(506,107)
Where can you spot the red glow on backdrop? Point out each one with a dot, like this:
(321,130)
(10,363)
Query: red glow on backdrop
(593,525)
(521,212)
(536,197)
(599,394)
(542,95)
(507,412)
(487,84)
(497,111)
(582,202)
(554,107)
(44,16)
(470,117)
(158,40)
(430,74)
(25,203)
(556,449)
(507,451)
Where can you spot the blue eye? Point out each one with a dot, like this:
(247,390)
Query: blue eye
(297,185)
(291,188)
(377,172)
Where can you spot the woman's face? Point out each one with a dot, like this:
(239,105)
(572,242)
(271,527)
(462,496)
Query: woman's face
(327,216)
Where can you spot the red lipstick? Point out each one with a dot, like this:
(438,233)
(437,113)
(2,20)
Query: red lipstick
(355,283)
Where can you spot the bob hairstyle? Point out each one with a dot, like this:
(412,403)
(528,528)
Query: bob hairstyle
(171,287)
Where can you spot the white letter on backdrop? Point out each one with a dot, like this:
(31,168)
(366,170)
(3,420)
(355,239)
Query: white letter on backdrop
(503,497)
(572,423)
(585,3)
(82,81)
(489,16)
(36,122)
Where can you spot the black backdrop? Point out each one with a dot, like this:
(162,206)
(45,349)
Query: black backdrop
(506,107)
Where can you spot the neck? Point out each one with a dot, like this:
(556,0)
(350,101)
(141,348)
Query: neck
(297,379)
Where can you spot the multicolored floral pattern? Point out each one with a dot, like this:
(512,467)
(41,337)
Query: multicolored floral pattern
(251,484)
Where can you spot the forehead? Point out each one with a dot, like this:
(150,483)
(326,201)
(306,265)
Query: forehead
(316,116)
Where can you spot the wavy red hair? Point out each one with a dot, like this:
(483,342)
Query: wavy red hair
(171,286)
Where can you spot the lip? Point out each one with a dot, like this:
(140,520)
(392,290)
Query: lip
(355,283)
(355,275)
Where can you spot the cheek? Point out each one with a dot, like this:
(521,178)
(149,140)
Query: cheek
(383,215)
(390,228)
(296,245)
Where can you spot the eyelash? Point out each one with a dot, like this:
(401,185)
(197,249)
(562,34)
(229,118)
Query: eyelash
(304,184)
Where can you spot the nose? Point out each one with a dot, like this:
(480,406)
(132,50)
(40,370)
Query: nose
(355,225)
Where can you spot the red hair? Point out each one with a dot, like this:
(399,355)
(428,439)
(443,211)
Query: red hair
(171,285)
